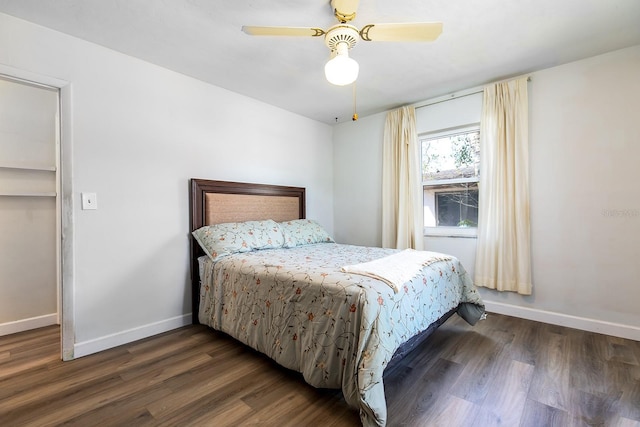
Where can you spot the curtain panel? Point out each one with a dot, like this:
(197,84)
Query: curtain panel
(503,255)
(401,182)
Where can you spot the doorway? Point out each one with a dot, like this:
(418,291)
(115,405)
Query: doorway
(32,193)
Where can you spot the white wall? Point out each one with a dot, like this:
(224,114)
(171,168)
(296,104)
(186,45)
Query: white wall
(584,146)
(585,209)
(357,189)
(139,133)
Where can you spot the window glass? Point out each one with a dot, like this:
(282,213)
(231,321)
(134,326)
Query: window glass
(457,208)
(450,171)
(451,156)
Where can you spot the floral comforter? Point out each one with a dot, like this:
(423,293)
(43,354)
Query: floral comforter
(338,329)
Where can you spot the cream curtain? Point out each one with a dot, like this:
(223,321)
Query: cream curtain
(401,179)
(503,249)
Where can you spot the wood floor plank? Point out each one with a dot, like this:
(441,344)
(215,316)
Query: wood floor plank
(503,371)
(229,415)
(528,344)
(621,350)
(169,366)
(280,413)
(212,404)
(42,386)
(220,378)
(265,394)
(537,414)
(473,382)
(446,340)
(330,412)
(32,359)
(29,338)
(506,396)
(550,384)
(588,353)
(453,412)
(625,422)
(629,405)
(419,394)
(127,410)
(594,409)
(111,388)
(56,409)
(460,347)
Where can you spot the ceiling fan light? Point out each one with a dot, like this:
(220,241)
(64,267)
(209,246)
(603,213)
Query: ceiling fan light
(341,70)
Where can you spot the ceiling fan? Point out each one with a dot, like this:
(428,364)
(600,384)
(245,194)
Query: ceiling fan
(342,70)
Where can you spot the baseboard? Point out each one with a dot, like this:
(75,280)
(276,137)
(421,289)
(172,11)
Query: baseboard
(27,324)
(553,318)
(114,340)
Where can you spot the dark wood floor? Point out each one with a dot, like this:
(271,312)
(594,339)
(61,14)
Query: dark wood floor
(502,372)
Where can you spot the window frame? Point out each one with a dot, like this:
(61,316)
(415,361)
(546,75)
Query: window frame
(448,231)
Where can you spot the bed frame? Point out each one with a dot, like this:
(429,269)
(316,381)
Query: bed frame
(216,202)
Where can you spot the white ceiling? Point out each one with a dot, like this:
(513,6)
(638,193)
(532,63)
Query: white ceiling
(482,41)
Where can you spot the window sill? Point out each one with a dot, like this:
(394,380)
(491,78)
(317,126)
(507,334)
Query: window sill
(465,232)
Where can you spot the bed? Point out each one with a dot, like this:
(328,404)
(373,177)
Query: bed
(280,284)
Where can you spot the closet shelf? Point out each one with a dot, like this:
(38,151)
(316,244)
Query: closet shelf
(28,194)
(30,167)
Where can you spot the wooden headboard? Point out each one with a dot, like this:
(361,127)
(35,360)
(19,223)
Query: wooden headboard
(216,202)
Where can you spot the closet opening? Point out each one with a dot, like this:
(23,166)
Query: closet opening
(31,273)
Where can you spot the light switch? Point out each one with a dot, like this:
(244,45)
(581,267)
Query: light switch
(89,201)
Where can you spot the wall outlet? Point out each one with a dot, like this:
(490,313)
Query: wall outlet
(89,201)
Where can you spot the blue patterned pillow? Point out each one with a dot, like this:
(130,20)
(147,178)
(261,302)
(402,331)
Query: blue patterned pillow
(303,232)
(220,240)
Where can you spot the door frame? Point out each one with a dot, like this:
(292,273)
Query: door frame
(64,202)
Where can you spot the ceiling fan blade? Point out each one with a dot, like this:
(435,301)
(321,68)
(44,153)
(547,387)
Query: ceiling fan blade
(345,10)
(283,31)
(415,31)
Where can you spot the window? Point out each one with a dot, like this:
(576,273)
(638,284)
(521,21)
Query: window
(450,171)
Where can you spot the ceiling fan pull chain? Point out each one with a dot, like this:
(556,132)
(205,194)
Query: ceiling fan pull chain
(355,113)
